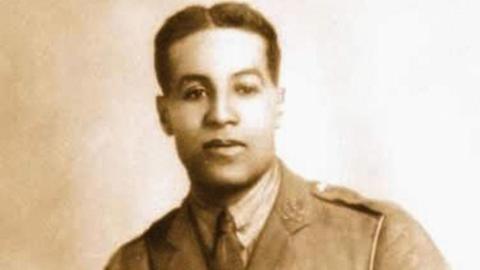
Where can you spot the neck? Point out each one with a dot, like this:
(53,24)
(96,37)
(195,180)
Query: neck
(219,196)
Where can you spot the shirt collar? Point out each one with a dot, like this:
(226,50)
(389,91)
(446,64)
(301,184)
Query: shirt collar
(249,213)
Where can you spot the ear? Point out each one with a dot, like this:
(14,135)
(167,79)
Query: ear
(163,114)
(280,99)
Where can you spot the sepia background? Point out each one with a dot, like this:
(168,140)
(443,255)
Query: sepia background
(382,96)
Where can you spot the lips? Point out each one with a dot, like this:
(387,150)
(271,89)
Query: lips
(216,143)
(224,147)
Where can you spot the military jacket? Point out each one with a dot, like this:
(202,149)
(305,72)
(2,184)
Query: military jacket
(311,226)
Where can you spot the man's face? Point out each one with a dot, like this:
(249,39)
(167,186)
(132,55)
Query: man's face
(222,108)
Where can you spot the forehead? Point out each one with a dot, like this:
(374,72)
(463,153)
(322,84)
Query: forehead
(218,52)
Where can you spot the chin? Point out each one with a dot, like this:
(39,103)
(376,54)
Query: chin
(225,177)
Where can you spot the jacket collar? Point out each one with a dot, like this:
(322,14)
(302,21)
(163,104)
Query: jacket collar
(291,213)
(293,206)
(177,247)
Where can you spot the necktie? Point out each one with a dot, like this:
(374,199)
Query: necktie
(227,249)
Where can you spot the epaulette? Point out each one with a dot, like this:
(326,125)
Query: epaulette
(345,197)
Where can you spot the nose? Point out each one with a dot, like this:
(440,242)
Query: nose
(221,112)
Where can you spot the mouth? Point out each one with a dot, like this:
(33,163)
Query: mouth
(216,143)
(224,147)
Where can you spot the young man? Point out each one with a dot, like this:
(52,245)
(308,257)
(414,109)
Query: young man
(218,69)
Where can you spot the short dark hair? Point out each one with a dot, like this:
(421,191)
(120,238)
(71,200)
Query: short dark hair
(196,18)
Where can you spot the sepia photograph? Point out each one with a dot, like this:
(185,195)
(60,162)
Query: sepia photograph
(239,135)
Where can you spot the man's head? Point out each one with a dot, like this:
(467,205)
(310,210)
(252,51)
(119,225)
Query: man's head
(224,15)
(220,100)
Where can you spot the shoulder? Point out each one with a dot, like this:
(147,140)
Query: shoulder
(346,199)
(392,219)
(129,256)
(134,254)
(400,242)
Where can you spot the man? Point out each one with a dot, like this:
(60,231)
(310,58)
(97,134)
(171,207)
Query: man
(218,68)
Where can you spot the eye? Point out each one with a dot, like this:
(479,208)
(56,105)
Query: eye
(246,89)
(194,93)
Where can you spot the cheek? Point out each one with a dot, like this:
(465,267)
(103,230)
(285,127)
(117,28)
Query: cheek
(186,118)
(259,116)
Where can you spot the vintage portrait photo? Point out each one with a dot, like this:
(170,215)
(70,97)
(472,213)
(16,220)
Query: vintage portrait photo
(239,135)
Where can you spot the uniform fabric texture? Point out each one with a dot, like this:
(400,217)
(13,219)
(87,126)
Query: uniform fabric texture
(311,227)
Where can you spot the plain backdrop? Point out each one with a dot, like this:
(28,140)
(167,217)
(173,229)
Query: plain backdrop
(382,96)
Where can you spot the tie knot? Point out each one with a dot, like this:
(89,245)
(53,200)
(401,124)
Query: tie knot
(226,223)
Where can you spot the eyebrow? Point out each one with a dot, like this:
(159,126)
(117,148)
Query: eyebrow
(191,77)
(250,71)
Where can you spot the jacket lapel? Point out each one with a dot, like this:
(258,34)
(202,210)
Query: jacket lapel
(290,214)
(280,244)
(181,250)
